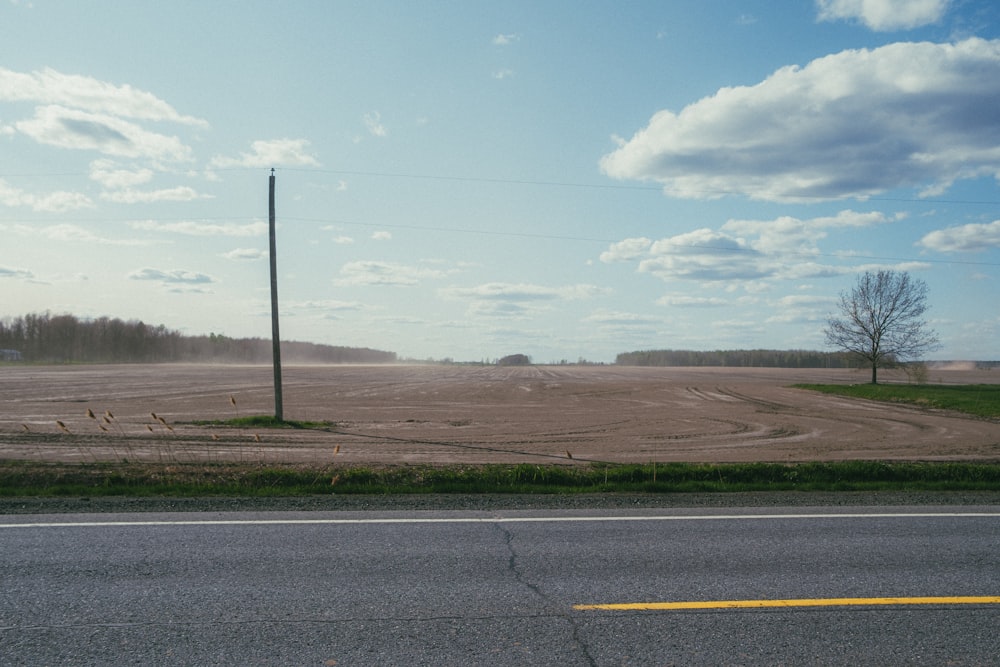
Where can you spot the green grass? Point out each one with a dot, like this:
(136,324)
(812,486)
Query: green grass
(265,421)
(18,478)
(981,400)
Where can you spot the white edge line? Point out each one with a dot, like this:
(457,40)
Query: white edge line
(564,519)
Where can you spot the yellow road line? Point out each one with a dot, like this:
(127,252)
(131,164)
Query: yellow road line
(807,602)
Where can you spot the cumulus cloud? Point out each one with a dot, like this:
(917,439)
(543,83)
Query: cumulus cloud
(17,274)
(792,235)
(384,274)
(742,250)
(70,233)
(83,113)
(705,255)
(382,236)
(883,15)
(523,292)
(195,228)
(111,176)
(131,196)
(63,127)
(607,317)
(801,308)
(851,124)
(49,87)
(686,301)
(626,250)
(270,153)
(505,39)
(177,276)
(52,202)
(964,238)
(323,308)
(245,254)
(373,122)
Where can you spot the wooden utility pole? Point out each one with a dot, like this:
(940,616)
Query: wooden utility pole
(275,338)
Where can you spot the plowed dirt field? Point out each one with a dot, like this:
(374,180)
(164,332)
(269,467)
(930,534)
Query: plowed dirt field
(467,414)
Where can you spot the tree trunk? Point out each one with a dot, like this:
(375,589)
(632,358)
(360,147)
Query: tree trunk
(874,373)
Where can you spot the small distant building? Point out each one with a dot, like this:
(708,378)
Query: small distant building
(10,355)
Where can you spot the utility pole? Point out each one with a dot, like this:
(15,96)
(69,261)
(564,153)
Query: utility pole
(275,338)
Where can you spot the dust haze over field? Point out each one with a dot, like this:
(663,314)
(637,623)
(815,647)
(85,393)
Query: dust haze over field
(417,414)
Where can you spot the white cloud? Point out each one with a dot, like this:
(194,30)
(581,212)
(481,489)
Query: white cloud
(71,233)
(53,202)
(16,274)
(704,255)
(177,276)
(523,292)
(373,122)
(382,236)
(107,173)
(789,234)
(343,240)
(130,196)
(505,39)
(270,153)
(626,250)
(743,251)
(245,254)
(851,124)
(385,274)
(684,301)
(964,238)
(504,73)
(801,308)
(194,228)
(81,130)
(884,15)
(324,308)
(49,87)
(606,317)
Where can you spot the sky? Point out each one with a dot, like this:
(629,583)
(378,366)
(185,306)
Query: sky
(467,180)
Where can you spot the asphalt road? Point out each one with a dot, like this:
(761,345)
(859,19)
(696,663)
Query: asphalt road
(502,588)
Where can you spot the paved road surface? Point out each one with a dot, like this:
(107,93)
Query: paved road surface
(464,588)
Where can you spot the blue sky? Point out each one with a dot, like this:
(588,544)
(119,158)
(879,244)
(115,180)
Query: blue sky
(469,180)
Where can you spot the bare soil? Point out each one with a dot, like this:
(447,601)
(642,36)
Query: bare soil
(399,414)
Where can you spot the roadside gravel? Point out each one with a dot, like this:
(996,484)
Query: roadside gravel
(490,502)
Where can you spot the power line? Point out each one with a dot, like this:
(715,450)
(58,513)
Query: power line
(614,186)
(542,183)
(490,232)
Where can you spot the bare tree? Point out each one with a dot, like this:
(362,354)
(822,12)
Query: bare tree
(880,320)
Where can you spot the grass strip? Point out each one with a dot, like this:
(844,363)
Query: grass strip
(19,478)
(265,421)
(980,400)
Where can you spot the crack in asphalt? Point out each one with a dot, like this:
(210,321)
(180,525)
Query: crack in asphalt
(512,567)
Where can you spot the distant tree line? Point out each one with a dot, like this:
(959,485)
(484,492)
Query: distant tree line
(739,358)
(67,339)
(514,360)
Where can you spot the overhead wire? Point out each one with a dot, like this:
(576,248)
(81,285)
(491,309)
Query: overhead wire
(502,181)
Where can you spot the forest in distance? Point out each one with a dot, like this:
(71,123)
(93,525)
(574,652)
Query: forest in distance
(47,338)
